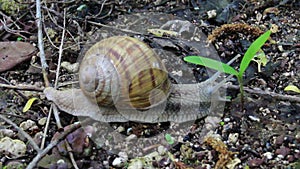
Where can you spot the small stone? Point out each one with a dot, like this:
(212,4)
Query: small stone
(279,157)
(253,118)
(227,119)
(123,155)
(258,16)
(280,48)
(233,137)
(105,163)
(71,68)
(42,121)
(38,137)
(118,162)
(268,155)
(25,125)
(211,14)
(120,129)
(178,73)
(131,137)
(6,132)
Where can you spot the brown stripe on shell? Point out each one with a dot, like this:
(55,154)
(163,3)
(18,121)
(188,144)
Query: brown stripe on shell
(132,49)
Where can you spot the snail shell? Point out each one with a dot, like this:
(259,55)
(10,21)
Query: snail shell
(125,72)
(123,79)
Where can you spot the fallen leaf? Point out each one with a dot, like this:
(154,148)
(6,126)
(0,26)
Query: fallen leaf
(29,104)
(13,53)
(292,88)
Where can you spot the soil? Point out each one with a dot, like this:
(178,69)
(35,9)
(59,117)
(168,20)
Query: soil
(264,132)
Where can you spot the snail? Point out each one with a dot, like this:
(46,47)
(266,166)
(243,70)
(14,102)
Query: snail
(123,79)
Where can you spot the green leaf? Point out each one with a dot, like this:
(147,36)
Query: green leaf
(169,139)
(252,50)
(28,104)
(213,64)
(19,38)
(261,59)
(292,88)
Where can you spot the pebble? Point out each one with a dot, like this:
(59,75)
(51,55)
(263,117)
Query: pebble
(253,118)
(123,155)
(211,14)
(226,119)
(27,124)
(268,155)
(233,137)
(118,162)
(6,132)
(72,68)
(131,137)
(120,129)
(42,121)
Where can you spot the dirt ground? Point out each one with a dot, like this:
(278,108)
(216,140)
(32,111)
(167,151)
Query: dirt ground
(264,132)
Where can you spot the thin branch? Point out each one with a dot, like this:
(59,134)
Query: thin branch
(46,129)
(22,87)
(112,27)
(22,132)
(60,50)
(40,42)
(267,94)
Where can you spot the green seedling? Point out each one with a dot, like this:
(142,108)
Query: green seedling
(169,139)
(248,56)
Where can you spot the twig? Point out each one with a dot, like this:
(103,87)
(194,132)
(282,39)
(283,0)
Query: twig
(46,129)
(40,42)
(56,116)
(267,94)
(17,91)
(27,136)
(37,158)
(22,87)
(112,27)
(59,125)
(60,50)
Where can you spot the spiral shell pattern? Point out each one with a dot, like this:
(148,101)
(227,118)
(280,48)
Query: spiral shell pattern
(125,72)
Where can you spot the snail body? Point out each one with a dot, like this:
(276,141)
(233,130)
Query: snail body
(123,79)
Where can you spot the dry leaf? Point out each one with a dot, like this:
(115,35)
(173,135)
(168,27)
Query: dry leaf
(13,53)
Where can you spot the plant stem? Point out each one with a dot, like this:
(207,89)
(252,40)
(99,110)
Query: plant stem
(240,80)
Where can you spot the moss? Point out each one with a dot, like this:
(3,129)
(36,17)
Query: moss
(11,7)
